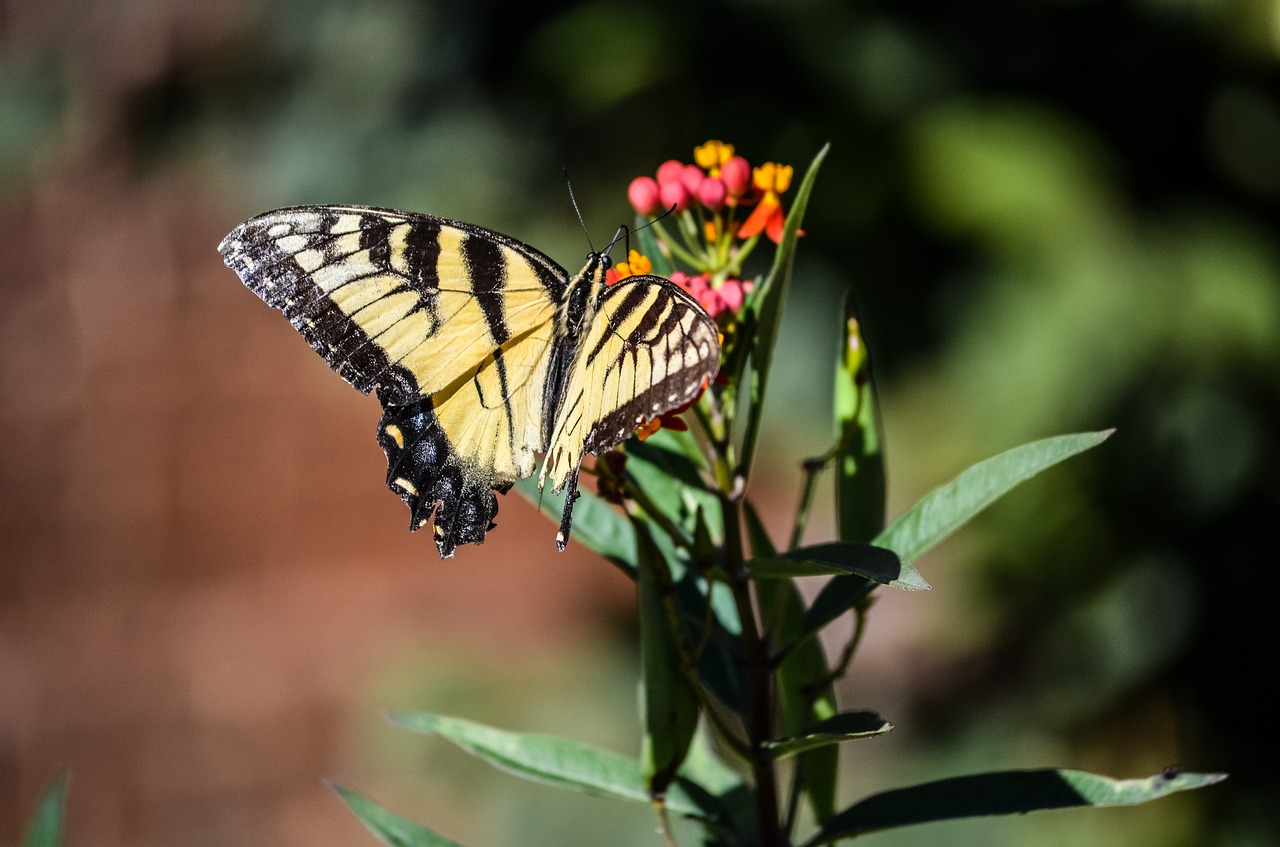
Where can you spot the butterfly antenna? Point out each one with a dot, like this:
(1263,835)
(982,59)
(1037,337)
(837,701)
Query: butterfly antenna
(577,211)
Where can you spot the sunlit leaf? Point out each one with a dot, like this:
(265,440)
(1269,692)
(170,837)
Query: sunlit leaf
(768,311)
(389,827)
(945,509)
(550,760)
(1002,793)
(845,726)
(860,486)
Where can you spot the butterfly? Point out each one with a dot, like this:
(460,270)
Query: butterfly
(482,351)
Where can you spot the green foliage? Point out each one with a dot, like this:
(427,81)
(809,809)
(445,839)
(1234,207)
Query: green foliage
(1006,793)
(389,827)
(46,826)
(728,639)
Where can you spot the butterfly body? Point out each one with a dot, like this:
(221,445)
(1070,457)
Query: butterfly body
(482,351)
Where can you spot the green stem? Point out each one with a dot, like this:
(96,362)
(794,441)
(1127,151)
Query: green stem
(760,702)
(674,246)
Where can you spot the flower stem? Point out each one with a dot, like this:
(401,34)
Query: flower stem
(760,702)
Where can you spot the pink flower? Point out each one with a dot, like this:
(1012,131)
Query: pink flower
(726,299)
(644,195)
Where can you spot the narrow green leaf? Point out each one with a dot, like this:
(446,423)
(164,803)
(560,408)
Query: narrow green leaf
(841,559)
(542,758)
(768,312)
(845,726)
(757,535)
(597,525)
(549,760)
(1002,793)
(860,485)
(945,509)
(387,826)
(46,826)
(669,706)
(647,243)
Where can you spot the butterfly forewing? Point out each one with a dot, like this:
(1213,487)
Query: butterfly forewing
(401,302)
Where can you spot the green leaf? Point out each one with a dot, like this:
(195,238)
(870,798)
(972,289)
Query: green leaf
(46,827)
(945,509)
(389,827)
(647,243)
(845,726)
(860,485)
(597,525)
(768,312)
(668,704)
(549,760)
(838,596)
(841,559)
(666,470)
(1002,793)
(757,535)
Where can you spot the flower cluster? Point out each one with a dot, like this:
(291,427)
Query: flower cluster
(708,200)
(720,206)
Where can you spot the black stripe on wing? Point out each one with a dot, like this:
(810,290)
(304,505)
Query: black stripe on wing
(670,324)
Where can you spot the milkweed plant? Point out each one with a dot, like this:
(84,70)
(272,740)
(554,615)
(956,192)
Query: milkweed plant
(740,724)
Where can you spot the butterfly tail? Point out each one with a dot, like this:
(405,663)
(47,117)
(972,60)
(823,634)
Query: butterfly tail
(566,517)
(423,469)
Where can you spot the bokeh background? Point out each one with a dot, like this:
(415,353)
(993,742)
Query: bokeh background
(1057,215)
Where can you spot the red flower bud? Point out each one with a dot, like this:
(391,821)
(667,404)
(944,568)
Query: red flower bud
(736,174)
(692,177)
(712,193)
(673,194)
(670,171)
(644,196)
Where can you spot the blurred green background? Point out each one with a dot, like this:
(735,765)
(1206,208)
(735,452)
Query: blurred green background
(1056,215)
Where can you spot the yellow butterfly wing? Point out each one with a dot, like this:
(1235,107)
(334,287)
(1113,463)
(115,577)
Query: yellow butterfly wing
(451,323)
(649,348)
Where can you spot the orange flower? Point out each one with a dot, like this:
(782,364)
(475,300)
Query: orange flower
(773,180)
(712,155)
(636,265)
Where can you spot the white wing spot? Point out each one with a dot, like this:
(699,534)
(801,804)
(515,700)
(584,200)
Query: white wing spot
(309,260)
(672,397)
(291,243)
(277,231)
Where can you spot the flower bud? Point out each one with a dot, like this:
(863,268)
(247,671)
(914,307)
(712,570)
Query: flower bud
(670,171)
(736,174)
(692,177)
(644,196)
(712,193)
(673,194)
